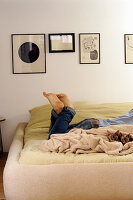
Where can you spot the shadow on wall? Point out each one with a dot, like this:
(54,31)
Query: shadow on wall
(8,134)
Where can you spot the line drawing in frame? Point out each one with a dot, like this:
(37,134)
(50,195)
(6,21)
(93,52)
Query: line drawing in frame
(89,48)
(128,48)
(61,42)
(28,53)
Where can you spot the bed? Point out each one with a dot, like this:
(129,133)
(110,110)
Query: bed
(31,174)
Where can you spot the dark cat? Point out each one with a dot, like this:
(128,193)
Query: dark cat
(120,137)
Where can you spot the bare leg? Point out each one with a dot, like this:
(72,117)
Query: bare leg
(65,100)
(54,101)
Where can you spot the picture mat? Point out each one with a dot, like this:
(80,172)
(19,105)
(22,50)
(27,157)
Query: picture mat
(61,42)
(39,64)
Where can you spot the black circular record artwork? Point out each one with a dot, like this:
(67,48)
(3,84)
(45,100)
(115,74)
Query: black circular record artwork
(28,52)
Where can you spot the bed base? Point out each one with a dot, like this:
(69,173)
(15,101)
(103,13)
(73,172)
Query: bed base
(92,181)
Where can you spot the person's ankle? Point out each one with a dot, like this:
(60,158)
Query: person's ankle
(70,109)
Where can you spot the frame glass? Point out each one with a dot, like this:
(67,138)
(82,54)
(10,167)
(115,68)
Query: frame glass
(61,42)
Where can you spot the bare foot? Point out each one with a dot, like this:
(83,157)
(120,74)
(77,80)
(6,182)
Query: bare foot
(66,101)
(54,101)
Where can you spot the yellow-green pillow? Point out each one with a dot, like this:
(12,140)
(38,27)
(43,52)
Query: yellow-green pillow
(104,111)
(40,115)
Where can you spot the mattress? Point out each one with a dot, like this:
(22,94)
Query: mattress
(36,131)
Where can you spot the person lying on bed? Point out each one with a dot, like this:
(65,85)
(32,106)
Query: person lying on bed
(63,113)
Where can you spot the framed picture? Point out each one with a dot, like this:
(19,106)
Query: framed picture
(61,42)
(89,48)
(128,43)
(28,53)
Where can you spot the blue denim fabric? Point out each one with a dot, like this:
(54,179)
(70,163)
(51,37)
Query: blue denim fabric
(124,119)
(60,123)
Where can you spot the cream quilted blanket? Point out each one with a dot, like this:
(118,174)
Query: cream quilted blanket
(88,141)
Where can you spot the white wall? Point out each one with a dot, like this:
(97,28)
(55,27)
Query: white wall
(110,81)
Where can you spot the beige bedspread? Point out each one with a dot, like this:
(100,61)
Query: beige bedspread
(88,141)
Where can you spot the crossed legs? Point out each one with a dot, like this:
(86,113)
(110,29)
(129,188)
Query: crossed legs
(62,113)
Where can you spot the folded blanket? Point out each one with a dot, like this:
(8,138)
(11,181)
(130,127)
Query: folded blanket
(92,140)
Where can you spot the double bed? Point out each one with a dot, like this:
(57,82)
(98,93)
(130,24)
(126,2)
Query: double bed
(31,174)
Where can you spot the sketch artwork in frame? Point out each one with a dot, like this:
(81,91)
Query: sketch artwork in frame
(28,53)
(61,42)
(89,48)
(128,42)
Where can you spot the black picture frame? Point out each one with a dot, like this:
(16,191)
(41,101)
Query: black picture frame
(57,45)
(89,48)
(128,48)
(28,53)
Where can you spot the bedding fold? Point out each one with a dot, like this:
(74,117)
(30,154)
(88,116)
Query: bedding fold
(95,140)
